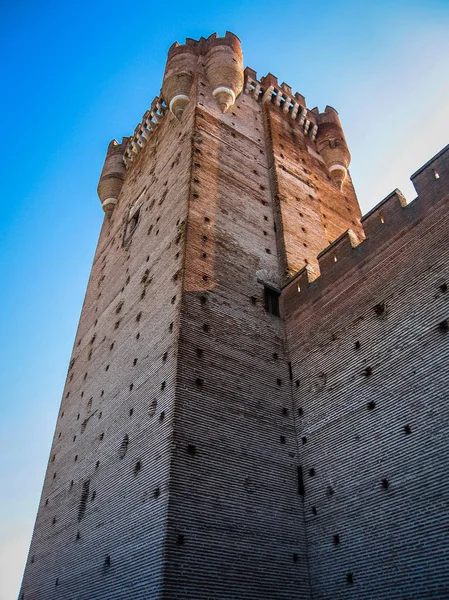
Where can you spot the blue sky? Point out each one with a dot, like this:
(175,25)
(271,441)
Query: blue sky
(76,75)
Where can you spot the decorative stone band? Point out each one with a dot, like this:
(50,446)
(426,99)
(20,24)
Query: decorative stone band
(108,205)
(224,96)
(150,120)
(283,99)
(178,99)
(338,173)
(226,90)
(337,167)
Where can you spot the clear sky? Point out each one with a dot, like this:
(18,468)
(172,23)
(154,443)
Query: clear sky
(77,74)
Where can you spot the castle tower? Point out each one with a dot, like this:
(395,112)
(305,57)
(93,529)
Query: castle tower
(174,470)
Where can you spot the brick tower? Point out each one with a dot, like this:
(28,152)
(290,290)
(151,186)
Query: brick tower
(174,470)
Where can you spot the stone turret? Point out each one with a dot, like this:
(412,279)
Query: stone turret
(332,145)
(224,68)
(112,176)
(178,77)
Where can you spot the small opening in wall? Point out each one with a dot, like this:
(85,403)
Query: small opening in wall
(137,336)
(282,439)
(124,446)
(295,557)
(97,464)
(312,472)
(131,385)
(385,484)
(314,511)
(253,300)
(162,416)
(407,429)
(191,450)
(133,222)
(163,384)
(443,288)
(199,352)
(279,381)
(157,492)
(371,405)
(380,309)
(131,411)
(357,345)
(206,327)
(83,500)
(180,540)
(368,371)
(444,326)
(349,578)
(336,539)
(297,383)
(137,467)
(138,316)
(203,299)
(285,411)
(107,561)
(304,440)
(199,382)
(329,491)
(271,301)
(300,411)
(135,362)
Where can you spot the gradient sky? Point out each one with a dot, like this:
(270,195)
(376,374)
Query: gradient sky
(76,75)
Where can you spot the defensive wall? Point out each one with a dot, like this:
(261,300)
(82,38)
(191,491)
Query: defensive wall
(369,346)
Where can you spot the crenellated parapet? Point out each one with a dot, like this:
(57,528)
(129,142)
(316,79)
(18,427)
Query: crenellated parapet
(382,225)
(142,133)
(293,105)
(223,62)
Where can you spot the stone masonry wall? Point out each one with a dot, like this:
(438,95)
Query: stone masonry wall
(369,345)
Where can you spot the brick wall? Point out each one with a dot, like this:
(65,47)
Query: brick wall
(369,347)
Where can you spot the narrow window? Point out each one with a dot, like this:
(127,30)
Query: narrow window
(271,299)
(133,222)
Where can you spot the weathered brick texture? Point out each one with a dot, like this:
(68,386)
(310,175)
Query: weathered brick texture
(369,345)
(189,408)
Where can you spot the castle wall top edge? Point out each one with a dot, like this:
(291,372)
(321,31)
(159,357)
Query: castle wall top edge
(203,45)
(382,225)
(430,162)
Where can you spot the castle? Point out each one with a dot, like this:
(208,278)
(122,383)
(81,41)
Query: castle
(255,408)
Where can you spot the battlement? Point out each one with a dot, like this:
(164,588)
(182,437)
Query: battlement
(223,71)
(383,224)
(143,131)
(203,45)
(291,104)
